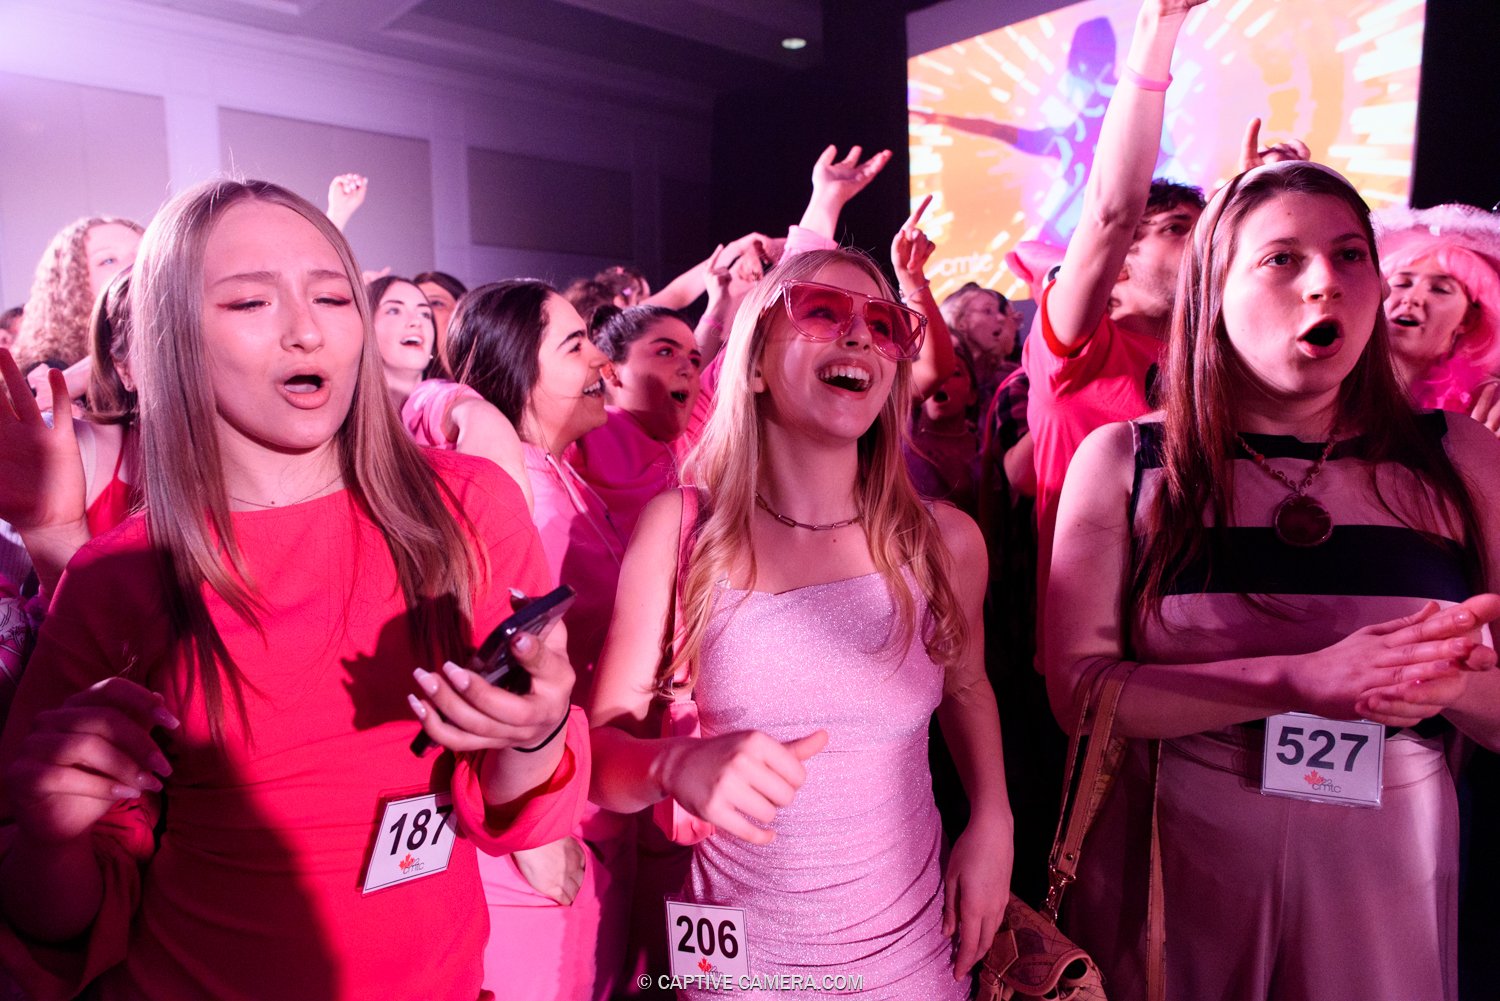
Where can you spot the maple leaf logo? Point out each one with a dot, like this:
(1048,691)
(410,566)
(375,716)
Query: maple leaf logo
(1313,779)
(705,965)
(406,863)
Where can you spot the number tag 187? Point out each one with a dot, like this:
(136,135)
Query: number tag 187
(707,941)
(1324,760)
(415,840)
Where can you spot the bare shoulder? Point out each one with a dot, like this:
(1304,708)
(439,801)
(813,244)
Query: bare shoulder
(1109,451)
(1471,445)
(960,534)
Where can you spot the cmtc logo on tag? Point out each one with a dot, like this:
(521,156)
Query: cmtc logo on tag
(1323,760)
(415,840)
(706,940)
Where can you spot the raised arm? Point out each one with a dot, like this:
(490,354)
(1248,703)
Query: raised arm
(346,193)
(1120,180)
(834,183)
(910,250)
(1429,649)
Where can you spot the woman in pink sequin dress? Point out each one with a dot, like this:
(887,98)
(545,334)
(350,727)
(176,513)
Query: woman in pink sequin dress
(824,620)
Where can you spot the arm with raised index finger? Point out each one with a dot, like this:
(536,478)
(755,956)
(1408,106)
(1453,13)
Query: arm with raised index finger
(910,250)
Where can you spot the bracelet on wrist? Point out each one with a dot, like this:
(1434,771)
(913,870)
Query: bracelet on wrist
(550,737)
(1145,82)
(916,291)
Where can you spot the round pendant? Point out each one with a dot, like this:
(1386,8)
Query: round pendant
(1303,522)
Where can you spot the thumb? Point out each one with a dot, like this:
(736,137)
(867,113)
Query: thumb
(62,412)
(806,747)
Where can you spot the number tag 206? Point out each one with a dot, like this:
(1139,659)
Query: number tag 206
(1324,760)
(706,940)
(415,839)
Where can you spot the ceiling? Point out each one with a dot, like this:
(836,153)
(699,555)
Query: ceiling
(672,52)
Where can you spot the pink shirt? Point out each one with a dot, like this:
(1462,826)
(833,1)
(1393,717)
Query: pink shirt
(626,466)
(251,886)
(426,410)
(1102,381)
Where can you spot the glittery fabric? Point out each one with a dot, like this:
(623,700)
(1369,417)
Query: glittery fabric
(851,886)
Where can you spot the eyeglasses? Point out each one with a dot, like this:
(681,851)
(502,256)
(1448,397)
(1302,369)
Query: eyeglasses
(826,313)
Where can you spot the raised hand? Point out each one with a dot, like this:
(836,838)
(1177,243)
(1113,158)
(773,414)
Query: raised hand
(841,180)
(83,757)
(1169,8)
(1252,154)
(41,472)
(910,250)
(725,780)
(346,193)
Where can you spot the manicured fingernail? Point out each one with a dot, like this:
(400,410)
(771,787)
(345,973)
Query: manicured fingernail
(124,792)
(1463,617)
(148,781)
(457,676)
(416,706)
(523,643)
(159,763)
(425,681)
(164,718)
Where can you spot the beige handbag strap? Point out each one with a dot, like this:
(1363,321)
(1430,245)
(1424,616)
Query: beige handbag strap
(1081,803)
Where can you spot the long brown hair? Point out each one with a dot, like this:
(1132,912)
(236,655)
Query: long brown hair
(901,532)
(1202,379)
(438,562)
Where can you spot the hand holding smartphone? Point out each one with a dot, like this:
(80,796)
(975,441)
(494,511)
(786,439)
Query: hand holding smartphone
(494,661)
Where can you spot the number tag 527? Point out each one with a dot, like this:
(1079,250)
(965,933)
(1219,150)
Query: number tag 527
(1324,760)
(707,941)
(415,839)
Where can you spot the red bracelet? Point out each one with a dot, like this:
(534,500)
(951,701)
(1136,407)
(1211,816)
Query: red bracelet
(1145,82)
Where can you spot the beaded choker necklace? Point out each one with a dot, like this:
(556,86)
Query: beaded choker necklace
(1299,520)
(793,523)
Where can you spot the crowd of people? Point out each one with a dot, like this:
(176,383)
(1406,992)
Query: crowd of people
(262,509)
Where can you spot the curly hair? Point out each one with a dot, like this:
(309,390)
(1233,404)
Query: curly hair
(56,321)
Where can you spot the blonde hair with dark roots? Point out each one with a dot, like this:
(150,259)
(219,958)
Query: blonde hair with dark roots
(56,321)
(437,559)
(900,530)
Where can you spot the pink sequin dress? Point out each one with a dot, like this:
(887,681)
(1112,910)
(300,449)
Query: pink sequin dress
(852,884)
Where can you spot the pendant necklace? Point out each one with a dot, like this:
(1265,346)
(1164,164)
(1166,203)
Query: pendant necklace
(1299,520)
(793,523)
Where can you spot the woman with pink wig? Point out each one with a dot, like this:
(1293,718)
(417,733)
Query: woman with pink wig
(1443,268)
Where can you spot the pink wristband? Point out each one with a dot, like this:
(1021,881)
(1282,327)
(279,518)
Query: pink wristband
(1145,82)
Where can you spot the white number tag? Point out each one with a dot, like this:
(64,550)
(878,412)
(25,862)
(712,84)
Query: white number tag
(1324,760)
(707,941)
(415,839)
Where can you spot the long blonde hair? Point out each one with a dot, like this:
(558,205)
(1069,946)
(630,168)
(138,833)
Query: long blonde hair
(725,465)
(56,321)
(438,562)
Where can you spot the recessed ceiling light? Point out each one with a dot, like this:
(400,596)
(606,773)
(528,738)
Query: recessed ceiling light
(793,44)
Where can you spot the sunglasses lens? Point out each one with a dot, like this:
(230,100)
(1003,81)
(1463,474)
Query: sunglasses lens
(894,328)
(818,312)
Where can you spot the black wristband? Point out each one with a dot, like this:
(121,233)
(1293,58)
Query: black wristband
(550,737)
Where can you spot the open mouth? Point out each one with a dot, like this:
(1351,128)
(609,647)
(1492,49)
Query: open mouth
(1323,335)
(851,378)
(595,389)
(413,341)
(308,383)
(1406,321)
(680,395)
(941,396)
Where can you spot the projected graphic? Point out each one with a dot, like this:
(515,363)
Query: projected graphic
(1003,125)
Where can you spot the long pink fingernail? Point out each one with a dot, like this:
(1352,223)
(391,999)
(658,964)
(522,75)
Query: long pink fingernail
(457,676)
(425,681)
(416,706)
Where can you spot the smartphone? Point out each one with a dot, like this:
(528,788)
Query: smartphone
(496,664)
